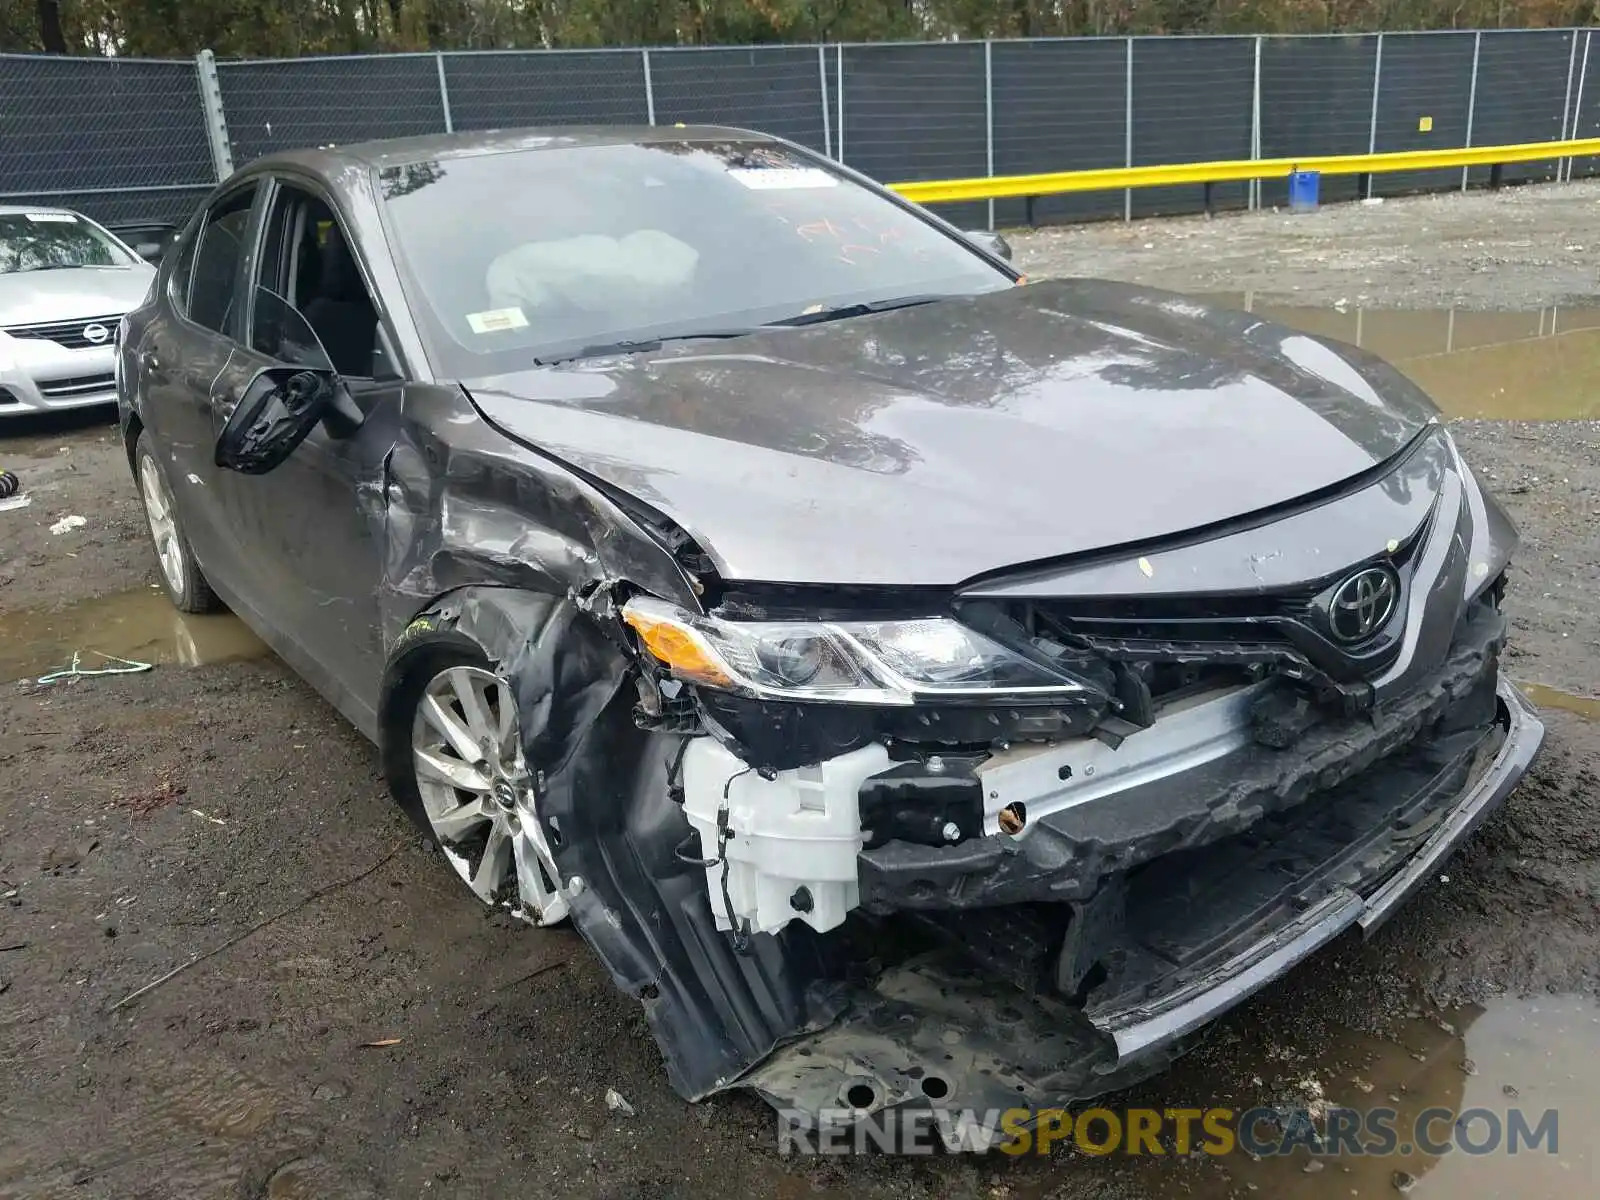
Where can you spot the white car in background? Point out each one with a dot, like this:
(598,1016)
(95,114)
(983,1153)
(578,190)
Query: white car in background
(65,283)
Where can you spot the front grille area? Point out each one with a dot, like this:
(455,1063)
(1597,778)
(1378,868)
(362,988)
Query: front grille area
(77,385)
(69,333)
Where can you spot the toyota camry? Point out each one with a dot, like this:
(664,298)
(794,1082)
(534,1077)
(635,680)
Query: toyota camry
(918,684)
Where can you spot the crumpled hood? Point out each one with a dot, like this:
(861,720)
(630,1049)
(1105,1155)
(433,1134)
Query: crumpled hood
(927,445)
(36,297)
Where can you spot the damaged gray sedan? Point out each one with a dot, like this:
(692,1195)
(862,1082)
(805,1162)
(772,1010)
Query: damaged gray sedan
(917,687)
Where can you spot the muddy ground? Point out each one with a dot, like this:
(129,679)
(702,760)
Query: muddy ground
(149,818)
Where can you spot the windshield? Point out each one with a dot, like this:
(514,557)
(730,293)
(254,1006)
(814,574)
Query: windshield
(543,254)
(44,241)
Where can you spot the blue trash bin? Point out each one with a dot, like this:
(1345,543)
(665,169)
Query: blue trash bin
(1304,190)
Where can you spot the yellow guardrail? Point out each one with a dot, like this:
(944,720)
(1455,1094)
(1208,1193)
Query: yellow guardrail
(998,187)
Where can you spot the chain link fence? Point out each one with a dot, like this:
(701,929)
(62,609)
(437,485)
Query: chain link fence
(123,139)
(144,140)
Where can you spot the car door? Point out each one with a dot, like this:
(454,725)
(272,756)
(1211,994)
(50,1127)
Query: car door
(312,524)
(180,360)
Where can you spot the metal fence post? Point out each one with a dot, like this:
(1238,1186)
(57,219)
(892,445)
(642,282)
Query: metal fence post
(1472,99)
(1372,127)
(1577,100)
(838,111)
(1255,127)
(444,93)
(205,65)
(988,114)
(649,87)
(1127,133)
(1567,115)
(822,91)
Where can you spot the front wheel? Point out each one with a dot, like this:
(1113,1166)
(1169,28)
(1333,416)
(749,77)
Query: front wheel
(180,574)
(473,790)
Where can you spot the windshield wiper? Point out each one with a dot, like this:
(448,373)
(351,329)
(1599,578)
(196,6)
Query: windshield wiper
(51,267)
(641,345)
(841,311)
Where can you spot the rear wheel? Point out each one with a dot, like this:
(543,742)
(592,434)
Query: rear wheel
(474,791)
(180,574)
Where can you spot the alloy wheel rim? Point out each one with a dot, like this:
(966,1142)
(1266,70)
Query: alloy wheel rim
(163,525)
(479,796)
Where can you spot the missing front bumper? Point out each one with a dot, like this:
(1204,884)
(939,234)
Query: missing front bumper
(934,1030)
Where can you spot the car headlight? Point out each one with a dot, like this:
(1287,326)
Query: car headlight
(846,662)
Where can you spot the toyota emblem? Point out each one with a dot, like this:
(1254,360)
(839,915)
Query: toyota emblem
(1363,604)
(95,333)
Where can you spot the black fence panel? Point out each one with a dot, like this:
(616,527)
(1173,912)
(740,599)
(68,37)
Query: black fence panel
(1192,102)
(916,112)
(290,104)
(494,90)
(773,89)
(1522,95)
(128,138)
(1316,98)
(1058,106)
(88,123)
(1425,85)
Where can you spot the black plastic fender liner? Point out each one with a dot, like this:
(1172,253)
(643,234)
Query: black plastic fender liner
(605,803)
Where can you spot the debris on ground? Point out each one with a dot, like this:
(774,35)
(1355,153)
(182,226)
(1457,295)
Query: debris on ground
(68,524)
(152,800)
(381,1043)
(617,1103)
(19,501)
(76,670)
(65,856)
(208,817)
(308,898)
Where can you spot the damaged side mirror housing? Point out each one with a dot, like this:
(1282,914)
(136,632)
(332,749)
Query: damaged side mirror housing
(278,410)
(988,239)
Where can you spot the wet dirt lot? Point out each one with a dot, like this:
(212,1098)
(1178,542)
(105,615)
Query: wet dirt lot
(366,1032)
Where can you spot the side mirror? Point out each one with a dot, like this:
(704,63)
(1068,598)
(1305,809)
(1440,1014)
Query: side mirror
(151,252)
(988,239)
(278,410)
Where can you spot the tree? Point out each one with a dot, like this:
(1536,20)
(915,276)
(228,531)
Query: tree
(51,37)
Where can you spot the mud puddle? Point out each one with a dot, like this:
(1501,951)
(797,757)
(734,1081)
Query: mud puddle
(1484,1064)
(1549,697)
(139,625)
(1525,366)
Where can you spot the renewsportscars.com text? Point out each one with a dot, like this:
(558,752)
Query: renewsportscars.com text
(1263,1131)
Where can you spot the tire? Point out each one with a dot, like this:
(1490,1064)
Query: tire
(175,565)
(454,760)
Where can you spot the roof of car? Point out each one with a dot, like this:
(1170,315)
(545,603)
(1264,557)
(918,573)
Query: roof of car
(399,151)
(17,210)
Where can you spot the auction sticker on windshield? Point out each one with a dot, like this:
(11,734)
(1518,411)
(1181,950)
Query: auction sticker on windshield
(782,178)
(57,218)
(497,320)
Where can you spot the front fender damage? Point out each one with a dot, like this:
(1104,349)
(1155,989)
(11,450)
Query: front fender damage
(512,549)
(606,800)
